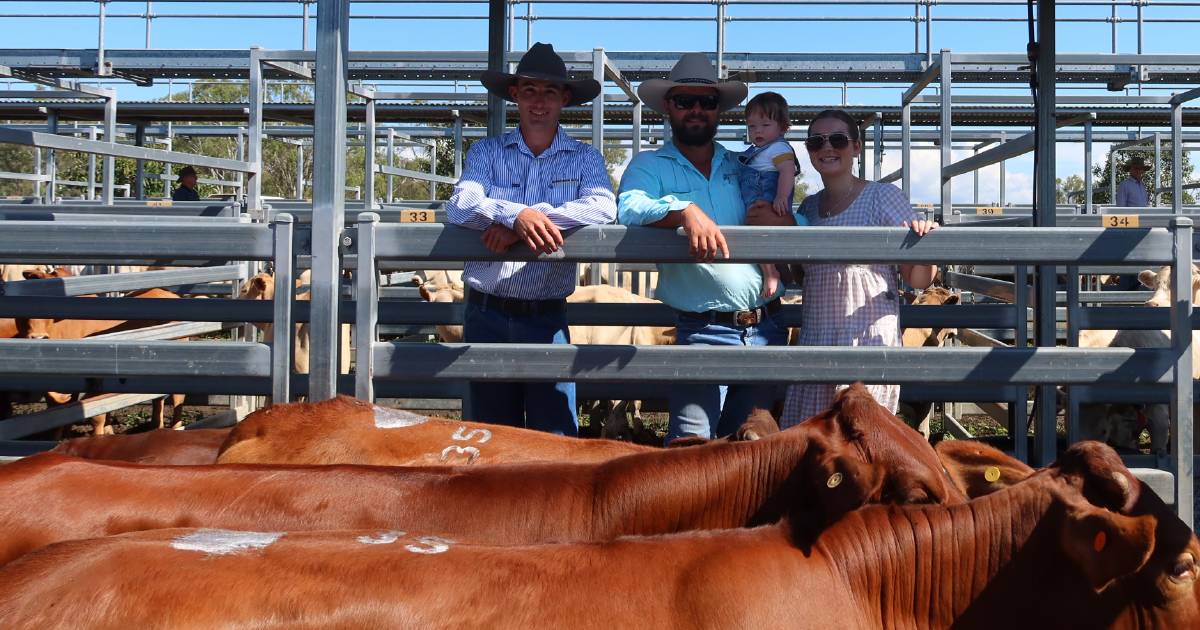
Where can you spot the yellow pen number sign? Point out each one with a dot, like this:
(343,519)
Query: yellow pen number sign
(416,216)
(1120,220)
(989,211)
(160,203)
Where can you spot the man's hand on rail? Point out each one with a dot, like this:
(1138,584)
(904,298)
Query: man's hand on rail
(538,232)
(704,237)
(498,239)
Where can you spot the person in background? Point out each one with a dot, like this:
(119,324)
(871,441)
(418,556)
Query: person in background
(527,186)
(1130,194)
(186,190)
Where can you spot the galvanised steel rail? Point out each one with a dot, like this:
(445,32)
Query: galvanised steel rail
(628,364)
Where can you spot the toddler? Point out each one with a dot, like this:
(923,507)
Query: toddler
(768,168)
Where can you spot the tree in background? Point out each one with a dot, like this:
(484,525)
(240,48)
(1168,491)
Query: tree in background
(1102,193)
(1069,190)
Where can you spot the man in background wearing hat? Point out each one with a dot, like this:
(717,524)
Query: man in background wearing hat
(528,185)
(1130,194)
(693,182)
(186,190)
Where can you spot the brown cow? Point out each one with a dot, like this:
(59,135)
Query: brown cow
(1047,553)
(51,498)
(978,469)
(917,414)
(164,447)
(345,430)
(59,329)
(262,287)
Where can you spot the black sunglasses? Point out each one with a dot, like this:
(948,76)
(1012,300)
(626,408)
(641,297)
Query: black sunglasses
(707,102)
(837,140)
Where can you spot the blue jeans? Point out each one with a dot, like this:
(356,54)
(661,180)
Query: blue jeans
(718,410)
(755,185)
(548,407)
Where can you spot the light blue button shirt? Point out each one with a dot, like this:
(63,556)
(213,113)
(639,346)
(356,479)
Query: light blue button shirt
(662,181)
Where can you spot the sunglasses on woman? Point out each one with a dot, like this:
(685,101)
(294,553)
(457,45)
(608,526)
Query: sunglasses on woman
(707,102)
(837,140)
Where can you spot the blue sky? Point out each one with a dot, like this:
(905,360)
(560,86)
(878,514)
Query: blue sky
(855,34)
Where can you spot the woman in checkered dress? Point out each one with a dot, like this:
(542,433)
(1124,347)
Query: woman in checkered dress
(850,305)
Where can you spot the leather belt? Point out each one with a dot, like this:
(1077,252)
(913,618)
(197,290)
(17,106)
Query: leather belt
(741,319)
(514,306)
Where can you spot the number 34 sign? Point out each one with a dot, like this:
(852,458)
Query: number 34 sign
(1120,221)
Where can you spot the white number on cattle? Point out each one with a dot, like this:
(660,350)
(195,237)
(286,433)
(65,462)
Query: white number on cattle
(484,434)
(470,451)
(429,545)
(384,538)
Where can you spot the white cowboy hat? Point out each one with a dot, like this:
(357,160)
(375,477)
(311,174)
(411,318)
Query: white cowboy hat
(692,70)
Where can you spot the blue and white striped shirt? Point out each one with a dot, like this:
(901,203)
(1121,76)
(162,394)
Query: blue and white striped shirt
(568,182)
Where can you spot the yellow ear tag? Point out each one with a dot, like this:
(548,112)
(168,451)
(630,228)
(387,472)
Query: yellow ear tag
(992,474)
(1100,542)
(834,480)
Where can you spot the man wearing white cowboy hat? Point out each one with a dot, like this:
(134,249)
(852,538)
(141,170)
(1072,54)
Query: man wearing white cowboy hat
(693,182)
(528,185)
(1132,192)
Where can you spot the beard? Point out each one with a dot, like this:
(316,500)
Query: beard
(693,137)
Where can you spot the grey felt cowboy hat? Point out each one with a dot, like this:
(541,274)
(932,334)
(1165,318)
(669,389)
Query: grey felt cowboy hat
(1137,162)
(543,64)
(692,70)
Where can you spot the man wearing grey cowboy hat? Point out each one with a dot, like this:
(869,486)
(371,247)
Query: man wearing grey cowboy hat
(527,186)
(692,182)
(1132,192)
(186,190)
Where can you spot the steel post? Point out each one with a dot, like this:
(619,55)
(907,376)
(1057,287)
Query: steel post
(391,162)
(100,69)
(299,171)
(721,7)
(975,180)
(110,136)
(281,330)
(368,187)
(1087,167)
(241,156)
(636,128)
(329,183)
(367,311)
(906,149)
(255,154)
(1182,446)
(458,144)
(878,146)
(497,27)
(91,170)
(1177,158)
(38,166)
(51,157)
(149,19)
(1019,406)
(598,102)
(1046,280)
(139,177)
(1112,177)
(946,136)
(304,25)
(1155,172)
(432,168)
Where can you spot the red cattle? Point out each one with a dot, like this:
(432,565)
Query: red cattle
(1051,552)
(349,431)
(51,498)
(164,447)
(978,469)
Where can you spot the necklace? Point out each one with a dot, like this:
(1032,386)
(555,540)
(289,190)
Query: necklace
(834,207)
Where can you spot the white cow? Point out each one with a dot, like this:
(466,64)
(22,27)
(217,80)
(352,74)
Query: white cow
(1119,425)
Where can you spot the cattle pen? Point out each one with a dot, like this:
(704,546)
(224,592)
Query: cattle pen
(390,105)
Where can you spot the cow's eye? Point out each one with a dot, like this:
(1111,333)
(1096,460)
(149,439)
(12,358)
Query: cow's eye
(1184,568)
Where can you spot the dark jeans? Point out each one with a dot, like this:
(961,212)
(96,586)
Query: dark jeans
(546,407)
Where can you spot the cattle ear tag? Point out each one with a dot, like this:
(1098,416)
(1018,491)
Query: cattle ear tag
(834,480)
(1100,541)
(992,474)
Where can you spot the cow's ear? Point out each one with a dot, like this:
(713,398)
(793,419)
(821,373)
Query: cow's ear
(1098,472)
(424,291)
(953,299)
(855,410)
(259,283)
(1148,278)
(1104,545)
